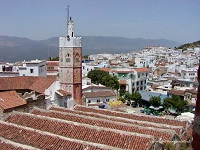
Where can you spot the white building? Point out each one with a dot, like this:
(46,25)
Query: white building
(95,95)
(56,96)
(32,68)
(25,68)
(87,67)
(86,81)
(189,73)
(131,79)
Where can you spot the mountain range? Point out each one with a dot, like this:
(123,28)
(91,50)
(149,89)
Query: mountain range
(14,49)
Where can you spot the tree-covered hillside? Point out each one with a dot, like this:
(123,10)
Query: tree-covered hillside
(189,45)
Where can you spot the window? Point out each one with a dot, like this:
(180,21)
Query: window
(107,100)
(98,100)
(65,104)
(67,59)
(77,60)
(89,101)
(50,67)
(31,70)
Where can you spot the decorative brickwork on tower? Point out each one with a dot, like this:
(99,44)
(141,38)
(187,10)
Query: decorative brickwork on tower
(70,63)
(196,127)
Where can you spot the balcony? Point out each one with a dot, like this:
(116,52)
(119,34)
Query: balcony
(126,76)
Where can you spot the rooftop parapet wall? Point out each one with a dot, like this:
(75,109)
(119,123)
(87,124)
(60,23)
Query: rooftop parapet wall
(70,42)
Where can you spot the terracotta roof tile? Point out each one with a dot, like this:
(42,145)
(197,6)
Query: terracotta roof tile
(38,84)
(141,69)
(132,116)
(122,71)
(165,135)
(176,92)
(96,87)
(41,84)
(105,69)
(13,83)
(38,139)
(79,131)
(52,63)
(154,86)
(10,99)
(9,146)
(64,93)
(177,129)
(192,91)
(99,94)
(122,82)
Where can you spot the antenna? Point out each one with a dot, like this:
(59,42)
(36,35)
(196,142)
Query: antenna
(67,15)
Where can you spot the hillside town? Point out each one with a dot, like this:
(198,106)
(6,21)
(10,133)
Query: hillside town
(48,104)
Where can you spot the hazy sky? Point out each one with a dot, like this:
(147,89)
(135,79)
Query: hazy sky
(177,20)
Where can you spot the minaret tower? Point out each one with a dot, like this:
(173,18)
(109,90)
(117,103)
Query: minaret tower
(70,63)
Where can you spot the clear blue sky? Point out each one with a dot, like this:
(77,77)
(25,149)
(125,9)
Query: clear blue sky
(177,20)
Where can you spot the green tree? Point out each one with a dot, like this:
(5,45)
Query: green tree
(110,81)
(155,101)
(175,102)
(96,76)
(85,56)
(178,103)
(53,58)
(104,78)
(128,96)
(122,99)
(136,96)
(167,102)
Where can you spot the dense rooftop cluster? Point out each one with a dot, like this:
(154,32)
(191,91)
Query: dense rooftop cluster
(86,128)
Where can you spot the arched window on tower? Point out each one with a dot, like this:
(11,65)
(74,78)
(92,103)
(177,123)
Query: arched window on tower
(72,34)
(77,57)
(68,58)
(61,56)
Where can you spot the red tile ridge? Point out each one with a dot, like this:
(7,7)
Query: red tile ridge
(165,134)
(141,69)
(178,129)
(133,116)
(10,99)
(13,145)
(54,136)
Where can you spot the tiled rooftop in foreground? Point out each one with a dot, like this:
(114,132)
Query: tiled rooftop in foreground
(87,128)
